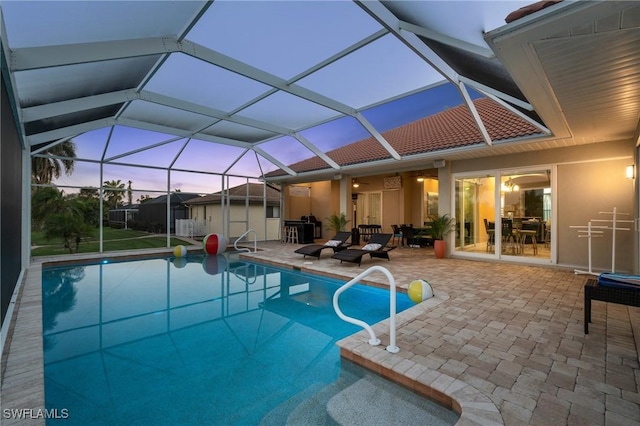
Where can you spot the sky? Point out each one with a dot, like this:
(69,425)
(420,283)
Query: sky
(297,43)
(207,156)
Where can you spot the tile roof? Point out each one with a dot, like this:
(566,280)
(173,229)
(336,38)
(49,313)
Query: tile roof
(452,128)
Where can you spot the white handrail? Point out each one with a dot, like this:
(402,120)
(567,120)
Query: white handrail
(373,340)
(255,242)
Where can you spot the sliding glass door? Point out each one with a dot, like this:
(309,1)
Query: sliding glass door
(505,214)
(475,213)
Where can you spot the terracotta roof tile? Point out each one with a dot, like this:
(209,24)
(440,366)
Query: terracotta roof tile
(451,128)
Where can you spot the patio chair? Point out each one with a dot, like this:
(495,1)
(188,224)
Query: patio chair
(376,247)
(337,243)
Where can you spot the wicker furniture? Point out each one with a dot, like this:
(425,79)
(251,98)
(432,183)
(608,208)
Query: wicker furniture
(620,295)
(355,255)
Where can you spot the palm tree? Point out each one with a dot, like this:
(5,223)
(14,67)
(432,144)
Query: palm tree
(46,169)
(114,192)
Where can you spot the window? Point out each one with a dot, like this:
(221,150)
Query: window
(273,212)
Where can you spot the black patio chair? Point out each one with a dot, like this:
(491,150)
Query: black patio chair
(375,247)
(337,243)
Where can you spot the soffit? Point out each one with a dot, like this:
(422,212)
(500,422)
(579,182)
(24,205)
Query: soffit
(579,65)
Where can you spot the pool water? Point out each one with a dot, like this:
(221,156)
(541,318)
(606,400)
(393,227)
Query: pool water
(196,340)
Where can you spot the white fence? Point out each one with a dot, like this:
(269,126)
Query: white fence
(190,228)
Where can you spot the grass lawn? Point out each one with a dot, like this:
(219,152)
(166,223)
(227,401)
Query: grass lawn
(113,240)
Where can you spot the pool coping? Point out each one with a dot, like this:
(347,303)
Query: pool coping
(23,375)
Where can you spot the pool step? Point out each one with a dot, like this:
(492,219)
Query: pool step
(373,400)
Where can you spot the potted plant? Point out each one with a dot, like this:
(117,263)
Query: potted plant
(337,222)
(441,226)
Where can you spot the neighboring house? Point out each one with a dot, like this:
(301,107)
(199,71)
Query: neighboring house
(247,210)
(154,212)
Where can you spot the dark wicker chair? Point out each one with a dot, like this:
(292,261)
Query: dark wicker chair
(624,295)
(337,243)
(355,255)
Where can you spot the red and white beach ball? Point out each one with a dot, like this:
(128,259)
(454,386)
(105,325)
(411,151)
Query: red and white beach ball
(214,244)
(214,264)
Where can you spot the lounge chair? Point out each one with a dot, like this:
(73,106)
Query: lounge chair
(337,243)
(375,247)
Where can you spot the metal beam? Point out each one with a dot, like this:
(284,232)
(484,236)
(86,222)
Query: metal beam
(75,105)
(70,131)
(159,128)
(270,158)
(304,141)
(211,112)
(29,58)
(379,12)
(444,39)
(381,140)
(496,93)
(474,114)
(231,64)
(517,112)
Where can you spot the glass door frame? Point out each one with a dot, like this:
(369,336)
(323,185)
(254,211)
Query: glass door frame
(497,174)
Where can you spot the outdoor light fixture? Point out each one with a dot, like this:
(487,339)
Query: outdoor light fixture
(420,179)
(630,171)
(356,184)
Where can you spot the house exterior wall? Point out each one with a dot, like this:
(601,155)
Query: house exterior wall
(590,179)
(321,203)
(213,221)
(585,190)
(10,205)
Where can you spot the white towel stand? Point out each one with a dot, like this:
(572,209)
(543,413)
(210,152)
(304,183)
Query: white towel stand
(598,231)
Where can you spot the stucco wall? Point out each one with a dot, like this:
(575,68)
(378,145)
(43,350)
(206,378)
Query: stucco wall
(590,179)
(237,213)
(585,190)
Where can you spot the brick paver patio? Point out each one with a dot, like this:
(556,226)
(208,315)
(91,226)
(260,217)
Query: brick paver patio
(503,343)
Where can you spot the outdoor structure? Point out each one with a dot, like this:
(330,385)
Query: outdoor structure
(157,211)
(533,121)
(123,216)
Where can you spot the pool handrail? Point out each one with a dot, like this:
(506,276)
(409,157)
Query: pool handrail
(255,242)
(373,340)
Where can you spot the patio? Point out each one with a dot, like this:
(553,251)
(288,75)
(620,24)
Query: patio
(505,339)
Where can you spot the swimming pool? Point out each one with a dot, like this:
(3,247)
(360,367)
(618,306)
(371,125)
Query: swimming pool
(196,340)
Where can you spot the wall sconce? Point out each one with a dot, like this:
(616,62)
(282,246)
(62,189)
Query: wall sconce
(630,171)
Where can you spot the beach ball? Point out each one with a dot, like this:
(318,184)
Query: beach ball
(419,290)
(180,251)
(214,244)
(214,264)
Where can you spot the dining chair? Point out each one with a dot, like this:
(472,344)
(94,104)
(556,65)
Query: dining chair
(490,229)
(397,234)
(507,235)
(408,236)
